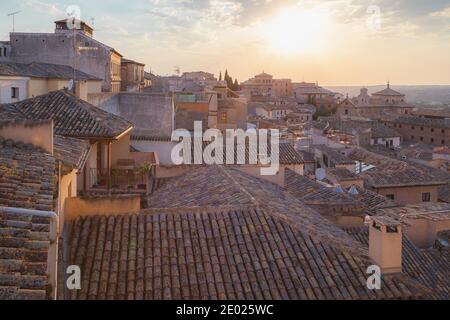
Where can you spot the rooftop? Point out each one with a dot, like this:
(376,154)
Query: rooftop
(43,70)
(427,267)
(335,155)
(429,211)
(419,121)
(388,172)
(255,242)
(26,176)
(72,117)
(388,92)
(24,243)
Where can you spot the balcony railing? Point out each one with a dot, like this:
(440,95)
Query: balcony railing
(118,179)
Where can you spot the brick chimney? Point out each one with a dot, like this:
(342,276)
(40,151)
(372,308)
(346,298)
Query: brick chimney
(385,244)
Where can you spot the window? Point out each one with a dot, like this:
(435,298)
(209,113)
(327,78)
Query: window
(432,130)
(432,140)
(412,137)
(421,138)
(443,142)
(426,197)
(412,128)
(421,129)
(443,131)
(346,111)
(390,196)
(14,93)
(223,116)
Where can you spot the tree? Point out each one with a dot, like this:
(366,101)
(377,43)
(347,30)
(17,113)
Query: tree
(220,76)
(236,85)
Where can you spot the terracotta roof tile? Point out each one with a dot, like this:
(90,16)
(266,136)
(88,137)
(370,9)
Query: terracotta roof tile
(72,117)
(23,257)
(427,267)
(26,176)
(255,242)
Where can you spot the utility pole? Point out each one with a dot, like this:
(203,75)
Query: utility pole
(13,15)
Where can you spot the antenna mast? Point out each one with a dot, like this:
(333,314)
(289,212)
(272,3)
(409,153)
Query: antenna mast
(13,15)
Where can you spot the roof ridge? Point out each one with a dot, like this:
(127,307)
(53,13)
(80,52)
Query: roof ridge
(240,186)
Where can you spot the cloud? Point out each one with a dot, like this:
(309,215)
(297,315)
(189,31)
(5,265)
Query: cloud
(445,13)
(43,7)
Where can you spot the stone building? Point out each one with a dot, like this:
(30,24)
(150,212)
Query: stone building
(20,81)
(403,182)
(265,85)
(432,130)
(132,76)
(375,106)
(76,48)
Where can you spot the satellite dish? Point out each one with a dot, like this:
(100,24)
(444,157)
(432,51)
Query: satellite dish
(70,85)
(320,174)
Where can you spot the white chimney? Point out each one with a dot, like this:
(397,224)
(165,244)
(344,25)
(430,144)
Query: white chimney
(385,244)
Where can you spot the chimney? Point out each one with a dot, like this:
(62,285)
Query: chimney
(39,133)
(385,244)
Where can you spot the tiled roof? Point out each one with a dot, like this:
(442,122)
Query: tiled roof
(150,138)
(308,190)
(328,201)
(342,174)
(382,131)
(218,253)
(427,267)
(388,92)
(419,121)
(390,172)
(24,243)
(26,176)
(335,155)
(72,117)
(307,156)
(222,186)
(428,211)
(71,152)
(288,155)
(43,70)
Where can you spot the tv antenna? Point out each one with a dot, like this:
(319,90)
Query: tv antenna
(177,70)
(13,15)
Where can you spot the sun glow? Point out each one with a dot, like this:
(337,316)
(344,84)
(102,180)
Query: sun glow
(296,30)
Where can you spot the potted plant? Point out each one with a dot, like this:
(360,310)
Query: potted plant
(115,175)
(144,170)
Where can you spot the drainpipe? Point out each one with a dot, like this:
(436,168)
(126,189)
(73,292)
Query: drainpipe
(53,249)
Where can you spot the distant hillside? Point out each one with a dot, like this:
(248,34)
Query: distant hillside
(419,95)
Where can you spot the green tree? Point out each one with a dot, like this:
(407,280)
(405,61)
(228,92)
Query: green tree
(220,76)
(236,85)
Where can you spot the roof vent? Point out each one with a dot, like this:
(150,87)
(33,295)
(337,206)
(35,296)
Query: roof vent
(353,191)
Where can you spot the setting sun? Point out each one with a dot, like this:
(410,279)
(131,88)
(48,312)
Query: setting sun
(295,30)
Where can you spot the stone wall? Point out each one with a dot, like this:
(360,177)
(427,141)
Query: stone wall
(151,114)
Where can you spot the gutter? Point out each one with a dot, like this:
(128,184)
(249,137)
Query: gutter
(52,258)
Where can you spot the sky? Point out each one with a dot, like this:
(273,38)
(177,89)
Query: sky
(334,42)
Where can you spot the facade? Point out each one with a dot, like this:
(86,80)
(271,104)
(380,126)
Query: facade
(132,76)
(23,81)
(433,131)
(376,106)
(91,56)
(403,182)
(265,85)
(312,93)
